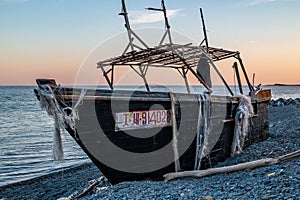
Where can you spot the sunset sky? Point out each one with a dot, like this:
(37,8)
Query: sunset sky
(57,38)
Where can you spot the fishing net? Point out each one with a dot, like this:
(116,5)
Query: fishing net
(203,129)
(63,116)
(243,113)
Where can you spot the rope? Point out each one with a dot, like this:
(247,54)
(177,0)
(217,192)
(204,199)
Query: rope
(203,129)
(63,117)
(174,101)
(243,113)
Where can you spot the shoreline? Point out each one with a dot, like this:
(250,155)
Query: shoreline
(282,84)
(284,102)
(50,175)
(51,186)
(276,181)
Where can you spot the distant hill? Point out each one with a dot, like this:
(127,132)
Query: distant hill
(280,84)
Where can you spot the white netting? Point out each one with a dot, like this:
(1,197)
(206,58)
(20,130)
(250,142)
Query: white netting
(243,113)
(174,101)
(203,129)
(64,117)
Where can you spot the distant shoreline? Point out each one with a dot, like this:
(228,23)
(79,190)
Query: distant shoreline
(275,84)
(281,84)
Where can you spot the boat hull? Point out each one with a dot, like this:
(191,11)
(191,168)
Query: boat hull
(130,151)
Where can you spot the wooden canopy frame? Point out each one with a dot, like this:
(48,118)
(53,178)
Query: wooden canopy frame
(183,58)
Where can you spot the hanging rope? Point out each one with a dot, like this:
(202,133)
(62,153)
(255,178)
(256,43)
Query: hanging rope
(63,117)
(174,102)
(203,129)
(243,113)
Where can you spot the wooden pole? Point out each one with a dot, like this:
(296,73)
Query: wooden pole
(222,78)
(168,27)
(235,66)
(253,79)
(245,73)
(204,31)
(127,24)
(175,133)
(186,81)
(166,20)
(233,168)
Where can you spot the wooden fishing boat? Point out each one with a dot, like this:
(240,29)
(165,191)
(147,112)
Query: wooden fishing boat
(144,134)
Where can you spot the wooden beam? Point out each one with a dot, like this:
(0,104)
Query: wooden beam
(235,66)
(232,168)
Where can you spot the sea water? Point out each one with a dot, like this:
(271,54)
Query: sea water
(26,133)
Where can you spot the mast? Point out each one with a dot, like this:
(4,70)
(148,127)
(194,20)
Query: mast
(235,67)
(244,72)
(166,21)
(167,25)
(130,32)
(204,31)
(127,24)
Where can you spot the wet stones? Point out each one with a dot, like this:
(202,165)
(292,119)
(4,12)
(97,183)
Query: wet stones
(284,102)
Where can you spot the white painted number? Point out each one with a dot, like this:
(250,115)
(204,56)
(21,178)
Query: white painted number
(142,119)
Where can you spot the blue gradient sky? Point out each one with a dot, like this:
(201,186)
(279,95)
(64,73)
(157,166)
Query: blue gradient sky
(52,38)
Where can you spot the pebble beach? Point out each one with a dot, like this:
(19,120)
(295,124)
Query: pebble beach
(279,181)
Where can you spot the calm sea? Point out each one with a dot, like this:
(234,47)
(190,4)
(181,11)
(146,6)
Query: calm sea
(26,134)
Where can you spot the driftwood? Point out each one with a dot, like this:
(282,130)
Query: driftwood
(87,190)
(228,169)
(84,192)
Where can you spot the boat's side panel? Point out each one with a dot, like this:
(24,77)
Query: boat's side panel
(259,123)
(153,146)
(220,137)
(138,154)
